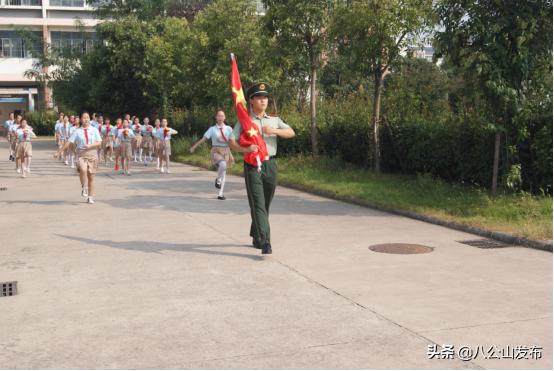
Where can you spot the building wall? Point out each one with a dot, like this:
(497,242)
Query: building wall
(45,19)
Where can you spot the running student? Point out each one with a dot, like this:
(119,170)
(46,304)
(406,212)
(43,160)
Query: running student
(117,144)
(7,126)
(59,123)
(107,143)
(147,140)
(24,147)
(126,137)
(137,140)
(164,134)
(13,139)
(87,139)
(71,154)
(222,158)
(157,142)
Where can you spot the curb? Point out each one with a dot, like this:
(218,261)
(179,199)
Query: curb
(500,236)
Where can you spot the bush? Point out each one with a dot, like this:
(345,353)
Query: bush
(42,122)
(448,147)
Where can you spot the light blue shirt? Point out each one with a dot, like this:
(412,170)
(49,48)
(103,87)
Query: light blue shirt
(8,124)
(145,131)
(94,124)
(137,129)
(104,131)
(160,133)
(116,142)
(78,137)
(214,134)
(123,138)
(64,131)
(21,135)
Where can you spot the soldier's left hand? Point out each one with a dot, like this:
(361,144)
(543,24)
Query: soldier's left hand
(268,130)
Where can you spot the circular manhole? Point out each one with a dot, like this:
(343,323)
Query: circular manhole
(401,248)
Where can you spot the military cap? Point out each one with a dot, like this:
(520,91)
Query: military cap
(260,88)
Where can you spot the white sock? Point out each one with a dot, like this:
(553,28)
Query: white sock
(222,179)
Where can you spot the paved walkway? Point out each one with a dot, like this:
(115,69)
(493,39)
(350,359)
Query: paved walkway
(159,274)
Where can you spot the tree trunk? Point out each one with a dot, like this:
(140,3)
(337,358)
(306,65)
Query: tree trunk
(44,85)
(495,163)
(313,117)
(376,118)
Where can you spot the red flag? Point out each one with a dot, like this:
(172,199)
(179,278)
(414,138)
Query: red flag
(250,132)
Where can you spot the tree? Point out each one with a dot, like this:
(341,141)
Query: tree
(373,33)
(301,28)
(140,9)
(223,27)
(507,47)
(186,8)
(148,9)
(135,68)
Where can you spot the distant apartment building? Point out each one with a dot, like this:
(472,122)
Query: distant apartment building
(49,22)
(426,52)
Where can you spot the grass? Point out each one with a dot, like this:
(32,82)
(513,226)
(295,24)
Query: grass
(519,214)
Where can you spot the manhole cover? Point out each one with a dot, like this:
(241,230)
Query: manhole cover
(401,248)
(8,288)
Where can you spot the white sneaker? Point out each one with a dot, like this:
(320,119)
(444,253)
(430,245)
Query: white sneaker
(167,171)
(90,200)
(23,174)
(29,171)
(162,170)
(66,162)
(84,192)
(18,170)
(73,166)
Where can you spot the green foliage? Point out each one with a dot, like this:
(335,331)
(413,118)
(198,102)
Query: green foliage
(434,120)
(134,70)
(42,122)
(507,50)
(223,27)
(520,214)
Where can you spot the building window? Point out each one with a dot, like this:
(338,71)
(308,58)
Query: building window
(24,2)
(68,3)
(72,42)
(19,45)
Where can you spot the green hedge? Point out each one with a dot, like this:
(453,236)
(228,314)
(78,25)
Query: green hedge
(42,122)
(455,150)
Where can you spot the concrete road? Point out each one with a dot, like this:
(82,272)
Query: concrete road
(159,274)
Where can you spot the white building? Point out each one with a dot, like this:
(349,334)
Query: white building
(49,21)
(426,52)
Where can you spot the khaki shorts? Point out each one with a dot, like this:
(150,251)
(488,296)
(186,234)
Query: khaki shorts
(88,160)
(165,148)
(107,142)
(24,149)
(137,141)
(221,154)
(126,149)
(13,143)
(157,146)
(147,142)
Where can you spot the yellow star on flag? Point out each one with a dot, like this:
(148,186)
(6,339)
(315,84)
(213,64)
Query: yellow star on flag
(252,132)
(239,97)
